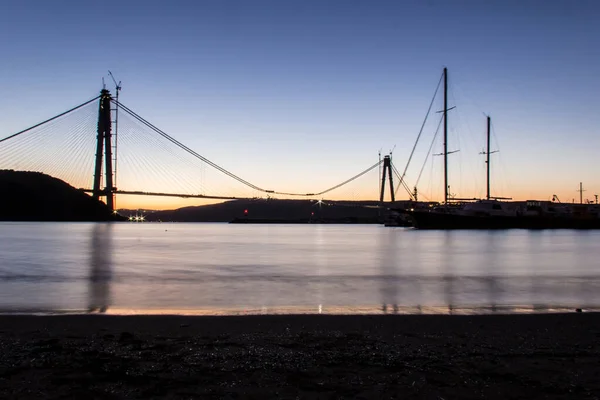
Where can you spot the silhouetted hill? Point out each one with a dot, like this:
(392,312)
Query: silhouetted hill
(33,196)
(261,210)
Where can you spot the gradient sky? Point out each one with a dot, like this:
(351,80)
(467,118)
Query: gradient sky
(300,95)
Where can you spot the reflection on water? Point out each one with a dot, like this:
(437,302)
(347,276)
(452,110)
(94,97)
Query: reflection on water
(100,267)
(389,272)
(447,261)
(212,268)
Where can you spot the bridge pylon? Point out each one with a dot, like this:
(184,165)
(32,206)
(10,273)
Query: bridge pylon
(104,150)
(387,167)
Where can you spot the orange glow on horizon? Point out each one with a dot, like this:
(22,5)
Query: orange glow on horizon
(169,203)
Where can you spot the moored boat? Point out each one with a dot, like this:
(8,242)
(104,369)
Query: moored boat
(493,214)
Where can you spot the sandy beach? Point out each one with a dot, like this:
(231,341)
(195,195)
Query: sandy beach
(307,356)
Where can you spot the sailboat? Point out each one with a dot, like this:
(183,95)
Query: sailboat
(491,212)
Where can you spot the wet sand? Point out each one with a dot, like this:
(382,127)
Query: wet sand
(306,356)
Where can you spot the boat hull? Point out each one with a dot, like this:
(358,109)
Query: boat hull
(435,220)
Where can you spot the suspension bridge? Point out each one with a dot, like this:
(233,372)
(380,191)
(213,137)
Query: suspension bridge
(106,149)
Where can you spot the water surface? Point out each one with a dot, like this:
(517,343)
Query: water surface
(222,268)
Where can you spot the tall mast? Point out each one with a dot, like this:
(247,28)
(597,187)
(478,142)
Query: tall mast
(445,135)
(488,157)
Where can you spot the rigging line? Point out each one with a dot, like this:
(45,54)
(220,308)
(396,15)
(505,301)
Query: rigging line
(426,198)
(50,119)
(420,132)
(404,185)
(429,151)
(502,168)
(397,174)
(494,136)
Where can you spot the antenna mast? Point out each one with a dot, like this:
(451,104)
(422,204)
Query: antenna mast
(116,123)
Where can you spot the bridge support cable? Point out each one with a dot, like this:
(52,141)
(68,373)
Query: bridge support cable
(192,152)
(371,168)
(74,151)
(150,163)
(50,119)
(62,147)
(230,174)
(20,152)
(401,178)
(142,172)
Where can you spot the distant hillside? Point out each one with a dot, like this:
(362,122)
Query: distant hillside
(275,210)
(33,196)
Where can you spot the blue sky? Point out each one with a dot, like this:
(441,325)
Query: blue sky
(299,95)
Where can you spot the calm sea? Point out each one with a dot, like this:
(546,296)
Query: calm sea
(236,269)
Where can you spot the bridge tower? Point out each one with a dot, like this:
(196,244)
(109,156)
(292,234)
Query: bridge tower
(387,167)
(104,149)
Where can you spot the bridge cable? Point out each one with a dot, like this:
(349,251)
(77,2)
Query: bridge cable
(130,139)
(226,172)
(420,132)
(184,147)
(50,119)
(336,186)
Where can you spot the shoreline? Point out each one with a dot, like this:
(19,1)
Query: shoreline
(546,355)
(327,310)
